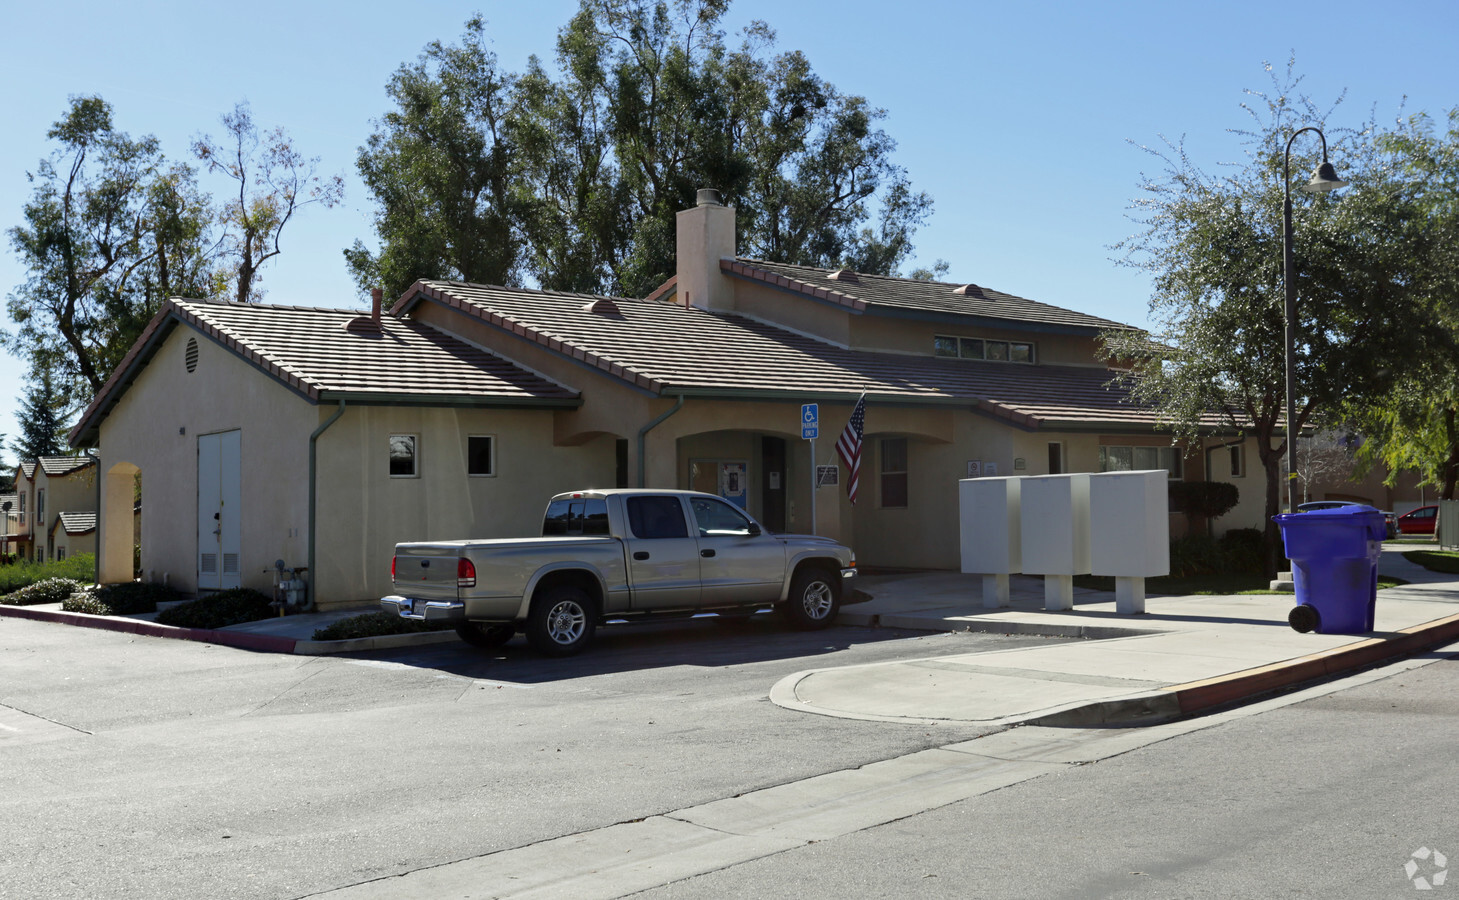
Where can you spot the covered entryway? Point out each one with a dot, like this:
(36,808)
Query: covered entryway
(220,507)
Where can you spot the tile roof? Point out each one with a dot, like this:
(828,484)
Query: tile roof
(56,466)
(310,350)
(910,295)
(28,468)
(13,500)
(668,349)
(78,522)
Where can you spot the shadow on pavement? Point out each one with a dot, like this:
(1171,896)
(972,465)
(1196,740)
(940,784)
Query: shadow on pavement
(707,643)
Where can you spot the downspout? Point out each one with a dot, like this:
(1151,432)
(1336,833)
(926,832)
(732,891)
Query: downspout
(643,435)
(313,501)
(96,561)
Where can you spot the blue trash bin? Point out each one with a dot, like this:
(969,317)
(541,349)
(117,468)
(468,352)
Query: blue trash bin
(1334,554)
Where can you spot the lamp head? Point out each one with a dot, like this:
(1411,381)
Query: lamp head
(1324,179)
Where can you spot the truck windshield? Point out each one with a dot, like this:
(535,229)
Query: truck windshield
(576,517)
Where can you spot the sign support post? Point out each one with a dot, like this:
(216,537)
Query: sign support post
(810,414)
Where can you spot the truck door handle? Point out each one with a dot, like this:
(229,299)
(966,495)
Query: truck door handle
(706,553)
(641,554)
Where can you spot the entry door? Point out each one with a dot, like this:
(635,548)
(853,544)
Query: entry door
(729,478)
(220,505)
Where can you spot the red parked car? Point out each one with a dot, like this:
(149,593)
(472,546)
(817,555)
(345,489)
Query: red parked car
(1419,521)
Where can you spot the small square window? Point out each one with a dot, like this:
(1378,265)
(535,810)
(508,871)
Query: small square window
(403,456)
(971,348)
(944,346)
(997,350)
(1020,353)
(480,455)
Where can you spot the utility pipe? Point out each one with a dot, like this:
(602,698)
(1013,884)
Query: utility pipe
(313,500)
(643,434)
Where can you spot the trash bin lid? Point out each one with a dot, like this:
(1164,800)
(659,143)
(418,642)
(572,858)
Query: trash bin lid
(1330,532)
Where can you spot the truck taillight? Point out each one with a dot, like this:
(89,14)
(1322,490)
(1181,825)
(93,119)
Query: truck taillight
(392,569)
(465,573)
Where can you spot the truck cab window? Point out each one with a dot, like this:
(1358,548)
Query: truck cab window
(576,517)
(715,517)
(656,517)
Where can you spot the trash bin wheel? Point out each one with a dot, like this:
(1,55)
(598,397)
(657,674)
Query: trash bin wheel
(1303,618)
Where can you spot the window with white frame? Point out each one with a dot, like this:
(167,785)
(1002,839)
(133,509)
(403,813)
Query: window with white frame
(480,455)
(1126,459)
(40,505)
(953,346)
(404,458)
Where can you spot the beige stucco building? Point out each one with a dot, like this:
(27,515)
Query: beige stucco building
(53,513)
(322,437)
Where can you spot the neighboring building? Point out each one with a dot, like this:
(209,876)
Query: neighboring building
(12,523)
(261,432)
(54,515)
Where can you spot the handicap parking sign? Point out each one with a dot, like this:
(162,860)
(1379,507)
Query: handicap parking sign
(809,421)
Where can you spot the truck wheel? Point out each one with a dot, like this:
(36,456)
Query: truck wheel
(815,597)
(484,635)
(561,622)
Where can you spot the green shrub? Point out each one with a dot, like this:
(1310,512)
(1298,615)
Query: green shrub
(51,590)
(81,567)
(1204,498)
(1243,551)
(373,624)
(122,599)
(230,607)
(1195,554)
(85,603)
(131,597)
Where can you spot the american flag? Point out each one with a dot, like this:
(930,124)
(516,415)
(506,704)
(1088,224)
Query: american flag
(848,445)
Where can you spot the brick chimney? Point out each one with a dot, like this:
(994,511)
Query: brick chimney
(705,235)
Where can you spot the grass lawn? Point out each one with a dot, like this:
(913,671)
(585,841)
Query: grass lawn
(1212,584)
(1434,560)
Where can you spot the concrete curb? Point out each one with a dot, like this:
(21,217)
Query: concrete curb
(1195,697)
(267,643)
(243,640)
(991,626)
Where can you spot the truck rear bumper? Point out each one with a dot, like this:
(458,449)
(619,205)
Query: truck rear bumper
(443,612)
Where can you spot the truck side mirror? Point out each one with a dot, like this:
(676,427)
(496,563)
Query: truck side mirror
(754,530)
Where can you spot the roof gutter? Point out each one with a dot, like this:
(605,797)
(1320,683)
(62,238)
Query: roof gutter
(313,494)
(643,435)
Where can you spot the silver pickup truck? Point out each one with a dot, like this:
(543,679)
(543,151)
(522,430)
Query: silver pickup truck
(618,554)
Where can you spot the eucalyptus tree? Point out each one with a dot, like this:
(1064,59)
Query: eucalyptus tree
(573,175)
(110,230)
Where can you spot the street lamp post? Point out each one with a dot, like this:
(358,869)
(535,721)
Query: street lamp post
(1324,179)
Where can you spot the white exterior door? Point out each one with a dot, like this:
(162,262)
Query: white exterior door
(220,504)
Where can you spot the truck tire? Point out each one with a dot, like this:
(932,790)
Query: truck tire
(562,621)
(485,635)
(815,597)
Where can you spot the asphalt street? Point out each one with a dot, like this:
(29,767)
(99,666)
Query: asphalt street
(1331,796)
(140,767)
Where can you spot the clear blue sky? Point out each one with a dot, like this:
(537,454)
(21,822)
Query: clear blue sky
(1015,117)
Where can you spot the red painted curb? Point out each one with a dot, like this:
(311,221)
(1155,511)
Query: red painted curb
(1196,696)
(267,643)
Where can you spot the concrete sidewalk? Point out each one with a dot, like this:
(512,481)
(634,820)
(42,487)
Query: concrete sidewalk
(1184,655)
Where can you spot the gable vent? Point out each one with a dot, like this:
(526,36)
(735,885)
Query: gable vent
(970,290)
(845,275)
(190,357)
